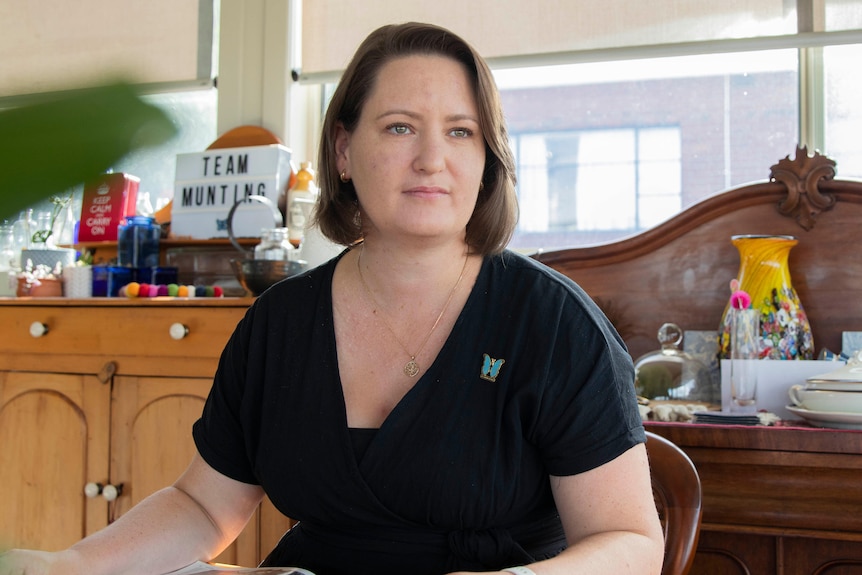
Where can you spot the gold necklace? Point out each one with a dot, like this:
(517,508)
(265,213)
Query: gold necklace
(411,368)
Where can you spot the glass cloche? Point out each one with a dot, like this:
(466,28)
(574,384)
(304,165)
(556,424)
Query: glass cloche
(672,374)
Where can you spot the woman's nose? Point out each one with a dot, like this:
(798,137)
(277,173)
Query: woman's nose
(430,154)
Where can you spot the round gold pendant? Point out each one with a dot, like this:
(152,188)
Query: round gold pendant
(411,368)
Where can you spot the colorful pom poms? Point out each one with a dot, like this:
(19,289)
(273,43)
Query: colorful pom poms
(135,289)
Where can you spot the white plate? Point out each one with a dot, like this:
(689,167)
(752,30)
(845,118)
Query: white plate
(834,419)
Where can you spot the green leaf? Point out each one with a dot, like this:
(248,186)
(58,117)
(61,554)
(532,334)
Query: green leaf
(55,144)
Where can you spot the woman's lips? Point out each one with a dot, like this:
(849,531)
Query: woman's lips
(426,191)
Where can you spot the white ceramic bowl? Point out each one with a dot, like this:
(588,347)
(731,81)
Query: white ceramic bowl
(823,400)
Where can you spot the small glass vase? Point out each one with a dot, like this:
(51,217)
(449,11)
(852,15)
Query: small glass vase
(745,343)
(765,274)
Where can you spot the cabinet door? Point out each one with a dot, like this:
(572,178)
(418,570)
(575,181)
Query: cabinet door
(151,444)
(53,440)
(804,556)
(721,553)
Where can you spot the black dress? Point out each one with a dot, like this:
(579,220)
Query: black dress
(532,381)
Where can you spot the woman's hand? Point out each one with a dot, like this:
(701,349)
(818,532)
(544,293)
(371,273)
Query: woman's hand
(27,562)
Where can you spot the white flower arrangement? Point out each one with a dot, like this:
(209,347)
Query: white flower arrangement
(33,275)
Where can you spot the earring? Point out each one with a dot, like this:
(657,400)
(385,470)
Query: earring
(481,186)
(343,176)
(357,219)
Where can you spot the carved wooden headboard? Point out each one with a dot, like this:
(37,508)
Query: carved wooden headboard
(679,271)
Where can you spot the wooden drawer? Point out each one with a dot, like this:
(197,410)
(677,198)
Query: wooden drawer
(138,338)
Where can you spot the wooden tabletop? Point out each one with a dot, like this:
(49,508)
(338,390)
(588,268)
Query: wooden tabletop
(796,437)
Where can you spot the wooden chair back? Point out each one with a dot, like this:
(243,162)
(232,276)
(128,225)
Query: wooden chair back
(677,492)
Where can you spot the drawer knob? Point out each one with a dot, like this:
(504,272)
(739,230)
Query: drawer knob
(38,329)
(178,331)
(92,490)
(111,492)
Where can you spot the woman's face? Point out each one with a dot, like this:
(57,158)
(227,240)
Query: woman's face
(417,154)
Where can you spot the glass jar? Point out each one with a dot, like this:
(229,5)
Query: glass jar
(138,242)
(43,234)
(300,199)
(274,245)
(64,226)
(8,258)
(23,229)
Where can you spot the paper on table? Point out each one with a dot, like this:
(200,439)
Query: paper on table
(201,568)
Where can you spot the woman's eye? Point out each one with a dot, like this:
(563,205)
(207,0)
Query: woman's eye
(398,129)
(462,132)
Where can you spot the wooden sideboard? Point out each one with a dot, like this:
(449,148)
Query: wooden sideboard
(776,500)
(107,395)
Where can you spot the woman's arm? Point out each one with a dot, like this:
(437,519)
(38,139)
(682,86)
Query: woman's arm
(610,519)
(194,519)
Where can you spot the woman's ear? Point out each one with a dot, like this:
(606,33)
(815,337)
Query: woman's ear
(342,147)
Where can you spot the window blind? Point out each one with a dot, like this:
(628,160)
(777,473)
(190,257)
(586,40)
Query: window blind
(332,29)
(49,45)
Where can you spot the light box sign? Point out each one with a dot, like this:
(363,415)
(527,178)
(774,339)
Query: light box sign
(208,184)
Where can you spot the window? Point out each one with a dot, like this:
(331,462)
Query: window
(569,179)
(194,114)
(607,150)
(843,116)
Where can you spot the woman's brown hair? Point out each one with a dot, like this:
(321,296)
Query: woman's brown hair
(496,213)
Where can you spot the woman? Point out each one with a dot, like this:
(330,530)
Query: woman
(426,402)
